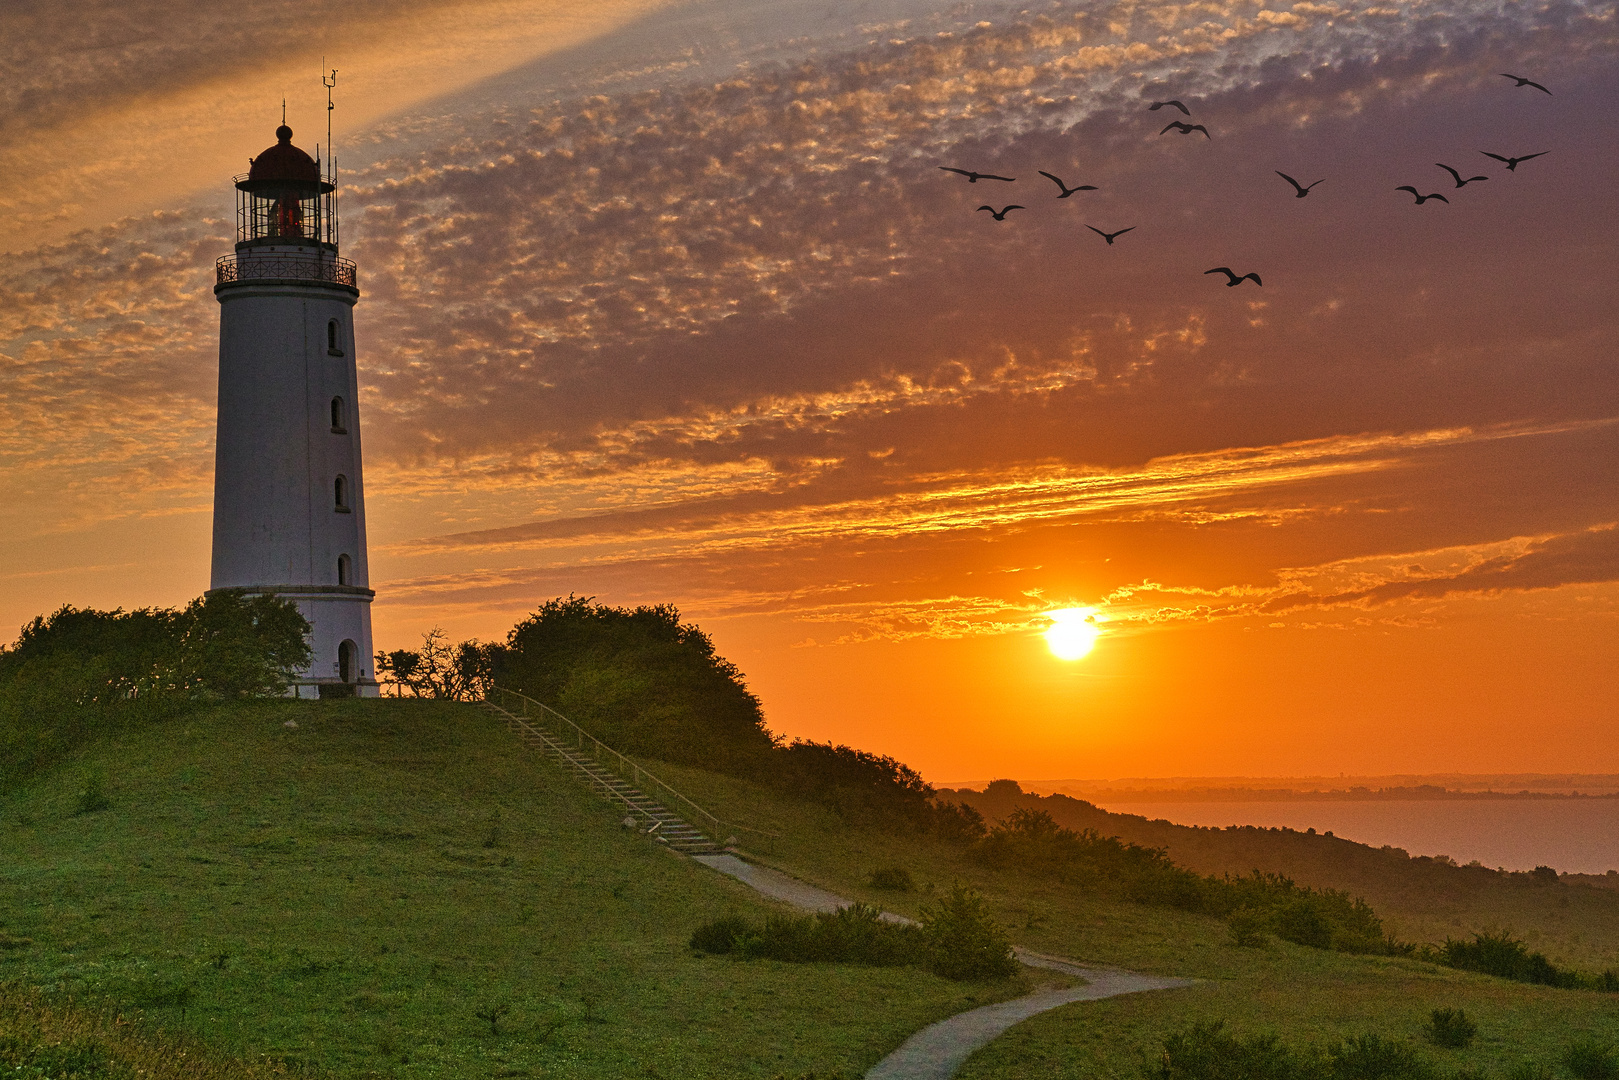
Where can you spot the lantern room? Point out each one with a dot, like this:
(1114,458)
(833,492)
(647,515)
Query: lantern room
(284,199)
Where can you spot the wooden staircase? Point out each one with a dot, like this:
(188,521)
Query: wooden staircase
(644,813)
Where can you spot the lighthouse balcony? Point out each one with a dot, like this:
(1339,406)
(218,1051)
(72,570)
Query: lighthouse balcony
(285,266)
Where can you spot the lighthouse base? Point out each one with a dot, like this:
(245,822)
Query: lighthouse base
(341,663)
(327,689)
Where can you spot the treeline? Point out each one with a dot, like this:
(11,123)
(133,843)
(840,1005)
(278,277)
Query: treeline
(77,671)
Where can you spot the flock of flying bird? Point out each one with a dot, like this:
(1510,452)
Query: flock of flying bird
(1300,190)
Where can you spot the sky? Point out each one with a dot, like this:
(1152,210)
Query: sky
(669,301)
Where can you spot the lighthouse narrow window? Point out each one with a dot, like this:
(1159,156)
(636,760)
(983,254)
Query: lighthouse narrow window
(333,342)
(341,490)
(339,420)
(345,572)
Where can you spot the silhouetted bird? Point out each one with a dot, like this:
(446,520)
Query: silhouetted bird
(1233,280)
(1108,236)
(1298,187)
(1000,215)
(1155,106)
(1186,129)
(1066,190)
(1525,82)
(1512,162)
(1458,176)
(1422,198)
(974,177)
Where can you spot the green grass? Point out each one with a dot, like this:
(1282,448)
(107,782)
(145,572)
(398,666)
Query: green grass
(1304,995)
(348,895)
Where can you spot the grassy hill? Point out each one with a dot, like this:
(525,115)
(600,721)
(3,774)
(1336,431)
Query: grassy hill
(1574,920)
(1298,993)
(348,895)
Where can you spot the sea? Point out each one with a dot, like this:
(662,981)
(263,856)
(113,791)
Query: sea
(1574,836)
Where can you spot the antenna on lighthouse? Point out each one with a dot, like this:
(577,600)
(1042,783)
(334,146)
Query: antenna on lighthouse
(331,155)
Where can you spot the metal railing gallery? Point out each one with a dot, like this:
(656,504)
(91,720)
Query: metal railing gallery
(279,267)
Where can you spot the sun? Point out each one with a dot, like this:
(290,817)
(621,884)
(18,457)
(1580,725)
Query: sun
(1073,632)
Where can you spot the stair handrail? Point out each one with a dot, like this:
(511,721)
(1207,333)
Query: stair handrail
(718,825)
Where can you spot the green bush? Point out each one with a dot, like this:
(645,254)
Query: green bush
(1247,927)
(721,935)
(1206,1051)
(92,797)
(1372,1057)
(893,878)
(856,934)
(1591,1059)
(78,673)
(1498,953)
(956,940)
(1450,1028)
(963,941)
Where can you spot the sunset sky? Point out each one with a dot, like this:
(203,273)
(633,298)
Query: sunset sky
(669,301)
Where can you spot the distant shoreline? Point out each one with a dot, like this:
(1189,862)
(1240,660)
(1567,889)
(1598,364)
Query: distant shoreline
(1447,787)
(1397,794)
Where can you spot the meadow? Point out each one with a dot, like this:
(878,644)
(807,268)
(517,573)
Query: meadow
(400,889)
(356,895)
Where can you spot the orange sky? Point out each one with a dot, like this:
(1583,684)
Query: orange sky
(670,303)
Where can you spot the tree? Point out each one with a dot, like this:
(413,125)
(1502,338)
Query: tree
(440,670)
(640,680)
(235,646)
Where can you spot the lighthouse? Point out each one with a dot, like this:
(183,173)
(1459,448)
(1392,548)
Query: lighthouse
(289,498)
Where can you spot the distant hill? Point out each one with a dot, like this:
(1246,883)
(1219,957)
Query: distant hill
(1573,918)
(1291,788)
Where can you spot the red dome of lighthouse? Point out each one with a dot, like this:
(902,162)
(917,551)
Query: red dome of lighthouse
(283,166)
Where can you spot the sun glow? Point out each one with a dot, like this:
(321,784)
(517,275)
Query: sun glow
(1073,632)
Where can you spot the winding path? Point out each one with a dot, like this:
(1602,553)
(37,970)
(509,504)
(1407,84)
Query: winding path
(938,1050)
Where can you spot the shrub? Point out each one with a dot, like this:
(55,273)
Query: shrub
(963,941)
(1206,1051)
(957,823)
(1498,953)
(1591,1059)
(1451,1028)
(895,878)
(1372,1057)
(856,934)
(1247,928)
(721,935)
(92,797)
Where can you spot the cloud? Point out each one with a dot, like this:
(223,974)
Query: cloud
(648,327)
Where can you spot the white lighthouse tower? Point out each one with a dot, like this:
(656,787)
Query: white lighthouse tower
(289,501)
